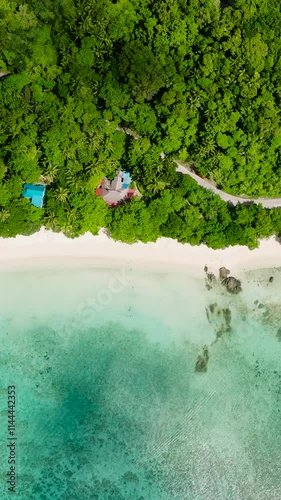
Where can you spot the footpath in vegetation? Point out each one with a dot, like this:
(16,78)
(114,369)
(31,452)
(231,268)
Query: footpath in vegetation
(228,198)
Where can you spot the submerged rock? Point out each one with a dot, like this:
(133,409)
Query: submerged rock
(221,331)
(212,307)
(278,334)
(260,306)
(271,279)
(201,364)
(232,284)
(211,278)
(223,273)
(202,361)
(206,269)
(227,316)
(225,327)
(130,477)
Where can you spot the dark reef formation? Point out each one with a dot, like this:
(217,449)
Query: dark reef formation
(232,285)
(202,361)
(223,273)
(278,334)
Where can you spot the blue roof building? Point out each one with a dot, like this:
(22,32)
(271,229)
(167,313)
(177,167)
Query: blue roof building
(126,179)
(34,193)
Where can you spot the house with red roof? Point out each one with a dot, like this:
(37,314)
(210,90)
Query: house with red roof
(116,191)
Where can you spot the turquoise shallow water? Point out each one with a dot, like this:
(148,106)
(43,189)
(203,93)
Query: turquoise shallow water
(109,405)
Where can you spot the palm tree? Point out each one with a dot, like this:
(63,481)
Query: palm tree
(108,146)
(62,194)
(95,142)
(97,169)
(69,152)
(49,175)
(51,172)
(51,222)
(72,180)
(4,215)
(67,228)
(157,186)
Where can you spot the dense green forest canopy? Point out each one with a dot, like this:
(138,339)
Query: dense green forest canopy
(197,79)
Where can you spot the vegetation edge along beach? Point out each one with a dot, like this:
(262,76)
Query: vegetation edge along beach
(198,81)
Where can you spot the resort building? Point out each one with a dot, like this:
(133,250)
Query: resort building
(35,193)
(116,191)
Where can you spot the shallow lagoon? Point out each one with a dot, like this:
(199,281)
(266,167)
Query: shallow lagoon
(109,405)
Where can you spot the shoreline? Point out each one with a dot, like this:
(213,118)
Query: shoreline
(166,254)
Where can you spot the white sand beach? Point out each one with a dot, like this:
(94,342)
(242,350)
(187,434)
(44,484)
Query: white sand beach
(165,254)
